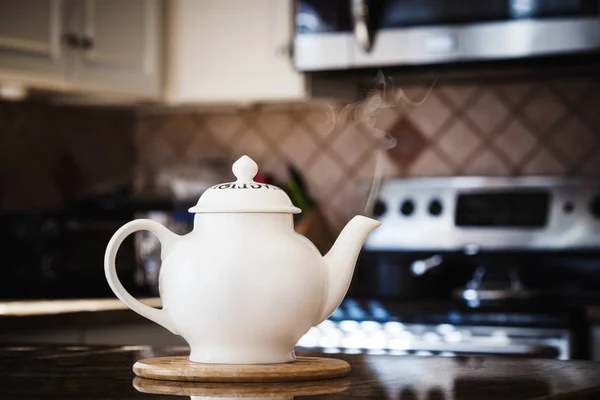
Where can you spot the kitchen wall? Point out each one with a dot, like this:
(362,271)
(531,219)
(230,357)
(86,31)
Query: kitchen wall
(50,154)
(499,129)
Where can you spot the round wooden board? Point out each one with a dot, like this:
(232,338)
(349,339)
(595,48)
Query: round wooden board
(242,389)
(180,368)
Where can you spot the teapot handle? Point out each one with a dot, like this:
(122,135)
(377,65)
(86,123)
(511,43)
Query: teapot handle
(167,240)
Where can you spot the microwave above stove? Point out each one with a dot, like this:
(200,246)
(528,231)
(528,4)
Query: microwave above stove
(487,213)
(357,34)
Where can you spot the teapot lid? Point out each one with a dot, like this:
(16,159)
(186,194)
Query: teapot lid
(244,195)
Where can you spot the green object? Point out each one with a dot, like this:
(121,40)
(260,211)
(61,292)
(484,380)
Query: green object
(298,191)
(298,196)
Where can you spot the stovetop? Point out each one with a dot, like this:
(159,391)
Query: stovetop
(447,329)
(396,338)
(434,312)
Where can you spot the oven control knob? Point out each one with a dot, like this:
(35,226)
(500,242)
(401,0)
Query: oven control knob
(435,207)
(595,206)
(407,207)
(379,208)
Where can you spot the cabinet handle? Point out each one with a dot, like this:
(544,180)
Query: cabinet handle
(285,50)
(86,43)
(71,40)
(363,27)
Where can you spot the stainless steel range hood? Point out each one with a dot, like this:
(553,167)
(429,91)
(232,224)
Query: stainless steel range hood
(359,34)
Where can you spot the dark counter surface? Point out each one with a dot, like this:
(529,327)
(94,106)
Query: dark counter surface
(77,372)
(60,312)
(30,308)
(17,315)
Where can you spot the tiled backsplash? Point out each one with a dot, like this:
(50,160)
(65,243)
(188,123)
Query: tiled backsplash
(528,128)
(515,128)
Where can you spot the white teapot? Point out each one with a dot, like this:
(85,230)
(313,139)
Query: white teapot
(243,287)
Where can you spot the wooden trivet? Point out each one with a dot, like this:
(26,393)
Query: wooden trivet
(242,389)
(180,368)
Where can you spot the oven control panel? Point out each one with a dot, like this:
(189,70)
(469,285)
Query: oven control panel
(488,213)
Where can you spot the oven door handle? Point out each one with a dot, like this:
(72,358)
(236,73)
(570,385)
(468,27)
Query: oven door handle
(364,31)
(419,267)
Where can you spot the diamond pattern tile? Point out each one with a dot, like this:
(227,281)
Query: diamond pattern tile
(573,139)
(458,94)
(274,125)
(543,127)
(430,116)
(514,93)
(543,109)
(201,146)
(487,112)
(321,119)
(344,201)
(459,141)
(412,96)
(381,160)
(386,117)
(486,163)
(276,166)
(350,144)
(156,152)
(515,141)
(224,126)
(592,165)
(429,164)
(298,146)
(181,131)
(250,143)
(589,107)
(571,89)
(409,143)
(544,163)
(324,175)
(336,216)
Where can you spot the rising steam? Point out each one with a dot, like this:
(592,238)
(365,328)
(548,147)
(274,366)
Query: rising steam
(364,114)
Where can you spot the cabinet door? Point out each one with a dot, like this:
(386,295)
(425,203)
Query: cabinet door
(234,50)
(30,41)
(120,48)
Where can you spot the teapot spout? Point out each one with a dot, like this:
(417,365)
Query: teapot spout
(341,260)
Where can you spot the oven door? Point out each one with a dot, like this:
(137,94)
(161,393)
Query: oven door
(345,34)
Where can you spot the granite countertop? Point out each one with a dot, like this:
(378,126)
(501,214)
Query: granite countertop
(105,372)
(33,314)
(29,308)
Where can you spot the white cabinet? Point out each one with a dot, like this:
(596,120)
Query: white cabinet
(234,50)
(212,51)
(30,41)
(120,46)
(100,46)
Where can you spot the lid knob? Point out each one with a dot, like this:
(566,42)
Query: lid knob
(245,169)
(244,195)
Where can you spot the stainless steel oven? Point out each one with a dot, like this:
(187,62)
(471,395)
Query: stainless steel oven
(348,34)
(474,265)
(488,213)
(374,327)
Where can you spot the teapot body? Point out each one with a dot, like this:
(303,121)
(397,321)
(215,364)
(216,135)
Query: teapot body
(243,288)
